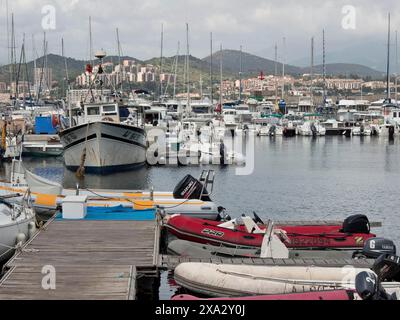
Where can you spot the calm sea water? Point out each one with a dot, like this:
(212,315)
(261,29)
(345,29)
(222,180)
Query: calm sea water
(293,179)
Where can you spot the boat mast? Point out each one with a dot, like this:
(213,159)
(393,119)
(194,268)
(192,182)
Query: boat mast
(220,72)
(388,62)
(91,55)
(176,68)
(119,62)
(397,70)
(240,73)
(187,67)
(211,68)
(276,73)
(13,55)
(312,71)
(283,68)
(324,65)
(161,60)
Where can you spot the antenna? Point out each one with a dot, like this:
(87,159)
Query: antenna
(90,41)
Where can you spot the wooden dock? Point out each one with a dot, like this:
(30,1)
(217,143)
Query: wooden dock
(92,260)
(171,262)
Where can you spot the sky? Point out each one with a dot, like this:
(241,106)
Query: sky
(356,30)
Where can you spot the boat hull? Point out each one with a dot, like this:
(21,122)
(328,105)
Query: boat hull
(334,295)
(109,147)
(8,236)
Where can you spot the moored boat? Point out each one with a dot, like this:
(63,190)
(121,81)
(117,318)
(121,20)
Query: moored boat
(244,232)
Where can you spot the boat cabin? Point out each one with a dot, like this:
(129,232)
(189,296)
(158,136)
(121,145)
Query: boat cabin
(101,112)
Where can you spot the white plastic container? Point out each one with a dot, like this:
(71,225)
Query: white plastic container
(74,207)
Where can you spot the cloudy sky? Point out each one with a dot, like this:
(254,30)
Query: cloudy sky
(352,35)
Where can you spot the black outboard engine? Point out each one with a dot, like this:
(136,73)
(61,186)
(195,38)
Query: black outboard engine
(387,267)
(369,287)
(356,224)
(313,130)
(375,247)
(191,188)
(272,130)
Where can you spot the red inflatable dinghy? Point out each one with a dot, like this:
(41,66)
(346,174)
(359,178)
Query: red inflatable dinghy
(351,235)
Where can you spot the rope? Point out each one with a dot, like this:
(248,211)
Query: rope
(80,173)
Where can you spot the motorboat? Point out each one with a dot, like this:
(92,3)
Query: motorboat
(246,233)
(373,248)
(225,280)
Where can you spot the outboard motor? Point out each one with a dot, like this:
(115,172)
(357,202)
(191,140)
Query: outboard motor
(391,133)
(314,130)
(375,247)
(356,224)
(272,130)
(191,188)
(387,267)
(369,287)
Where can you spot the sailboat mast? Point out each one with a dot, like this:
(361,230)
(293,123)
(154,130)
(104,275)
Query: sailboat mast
(119,61)
(324,63)
(176,68)
(397,69)
(388,62)
(13,54)
(211,67)
(276,72)
(220,73)
(161,59)
(240,74)
(187,67)
(312,71)
(283,68)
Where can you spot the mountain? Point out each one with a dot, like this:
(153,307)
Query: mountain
(347,69)
(57,63)
(252,65)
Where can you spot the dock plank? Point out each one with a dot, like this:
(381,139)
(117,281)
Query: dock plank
(92,260)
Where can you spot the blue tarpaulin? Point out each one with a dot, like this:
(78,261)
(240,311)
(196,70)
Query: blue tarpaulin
(119,213)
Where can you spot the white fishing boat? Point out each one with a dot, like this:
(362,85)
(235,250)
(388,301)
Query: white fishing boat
(101,144)
(17,224)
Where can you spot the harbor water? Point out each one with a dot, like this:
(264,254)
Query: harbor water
(300,178)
